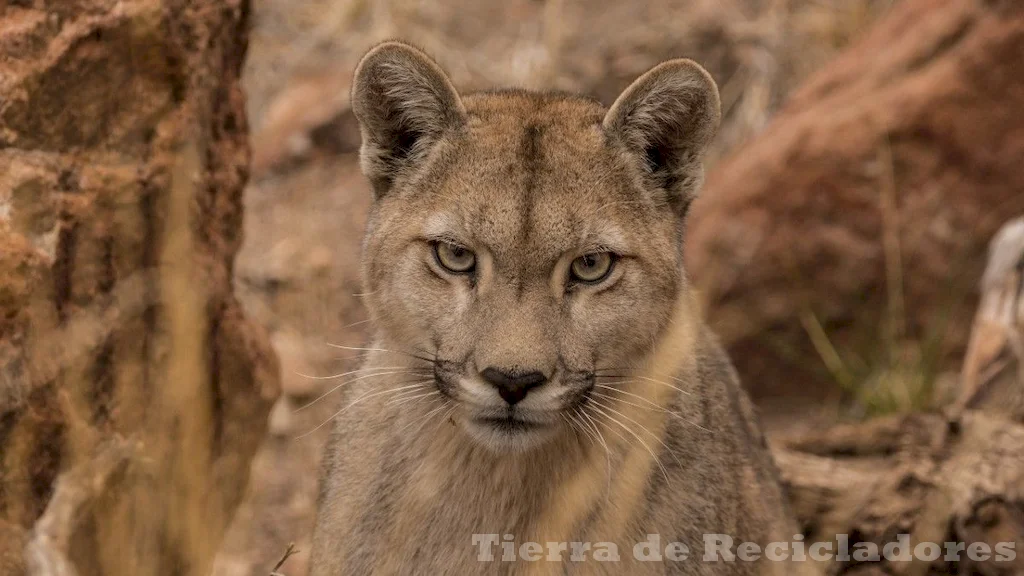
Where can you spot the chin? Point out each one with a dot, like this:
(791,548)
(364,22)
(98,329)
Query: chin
(508,433)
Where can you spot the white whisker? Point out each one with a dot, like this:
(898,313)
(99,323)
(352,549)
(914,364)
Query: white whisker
(356,323)
(663,383)
(445,416)
(653,406)
(349,373)
(607,451)
(356,379)
(409,396)
(642,427)
(423,420)
(367,350)
(635,435)
(370,394)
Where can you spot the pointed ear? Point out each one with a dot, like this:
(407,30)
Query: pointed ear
(404,103)
(664,121)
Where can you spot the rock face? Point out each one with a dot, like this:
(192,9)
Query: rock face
(865,207)
(133,392)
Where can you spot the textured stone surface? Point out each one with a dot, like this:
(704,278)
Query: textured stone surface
(892,167)
(123,156)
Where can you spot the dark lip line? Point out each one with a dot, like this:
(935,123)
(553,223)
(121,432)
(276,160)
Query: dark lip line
(505,418)
(509,422)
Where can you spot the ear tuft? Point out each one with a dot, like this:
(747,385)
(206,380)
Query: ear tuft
(665,120)
(404,103)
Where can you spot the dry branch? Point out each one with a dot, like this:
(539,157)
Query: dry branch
(955,477)
(994,369)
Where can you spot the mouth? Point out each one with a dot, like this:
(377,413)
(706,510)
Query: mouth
(508,430)
(507,424)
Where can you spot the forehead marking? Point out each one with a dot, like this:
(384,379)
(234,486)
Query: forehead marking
(530,155)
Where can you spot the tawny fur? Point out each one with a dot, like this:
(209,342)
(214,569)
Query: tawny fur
(530,181)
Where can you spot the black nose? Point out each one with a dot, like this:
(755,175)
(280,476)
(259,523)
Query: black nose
(513,385)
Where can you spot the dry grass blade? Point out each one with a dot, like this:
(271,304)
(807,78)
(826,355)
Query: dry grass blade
(76,490)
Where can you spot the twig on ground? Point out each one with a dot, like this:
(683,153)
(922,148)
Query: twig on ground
(287,554)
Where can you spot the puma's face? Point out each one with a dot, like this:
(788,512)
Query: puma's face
(527,245)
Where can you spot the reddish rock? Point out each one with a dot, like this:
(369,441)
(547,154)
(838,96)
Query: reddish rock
(133,392)
(905,151)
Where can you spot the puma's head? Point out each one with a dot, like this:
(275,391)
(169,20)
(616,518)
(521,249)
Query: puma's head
(529,244)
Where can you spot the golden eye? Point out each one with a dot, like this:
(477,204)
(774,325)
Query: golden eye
(592,268)
(454,258)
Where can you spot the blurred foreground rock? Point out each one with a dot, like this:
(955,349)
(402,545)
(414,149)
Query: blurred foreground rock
(865,205)
(957,477)
(133,392)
